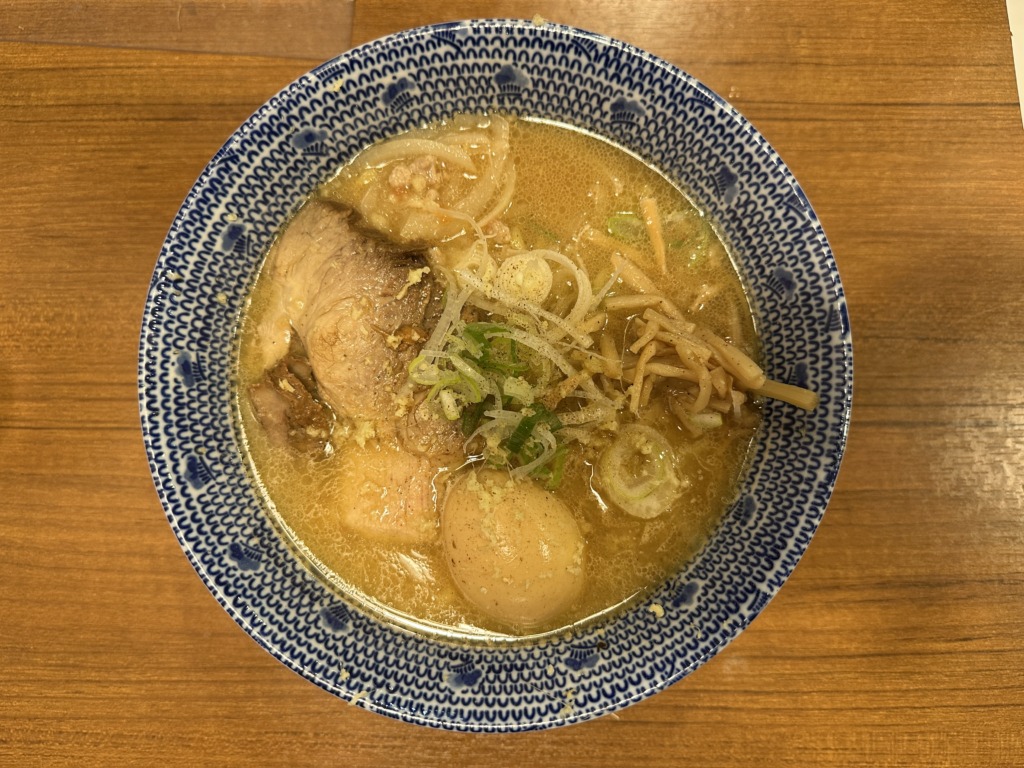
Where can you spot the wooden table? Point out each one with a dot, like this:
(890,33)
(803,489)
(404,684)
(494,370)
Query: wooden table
(898,641)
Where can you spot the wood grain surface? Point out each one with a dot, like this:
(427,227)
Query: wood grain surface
(898,641)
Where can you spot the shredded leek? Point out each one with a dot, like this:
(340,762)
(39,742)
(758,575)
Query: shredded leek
(476,376)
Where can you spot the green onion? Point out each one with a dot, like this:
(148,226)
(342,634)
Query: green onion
(476,376)
(637,472)
(473,415)
(537,452)
(626,225)
(449,405)
(552,472)
(534,415)
(502,356)
(480,331)
(473,383)
(422,372)
(449,380)
(474,336)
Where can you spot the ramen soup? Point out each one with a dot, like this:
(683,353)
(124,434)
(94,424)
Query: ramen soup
(498,378)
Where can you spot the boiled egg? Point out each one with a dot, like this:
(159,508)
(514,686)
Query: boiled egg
(514,550)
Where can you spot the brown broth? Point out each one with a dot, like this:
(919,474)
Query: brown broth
(566,180)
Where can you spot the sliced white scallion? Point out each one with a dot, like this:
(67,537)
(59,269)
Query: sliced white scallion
(525,276)
(449,316)
(492,291)
(478,384)
(550,446)
(519,389)
(449,405)
(638,472)
(584,295)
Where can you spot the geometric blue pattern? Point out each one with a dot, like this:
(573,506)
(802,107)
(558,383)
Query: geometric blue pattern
(292,143)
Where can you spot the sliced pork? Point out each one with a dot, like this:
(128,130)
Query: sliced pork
(361,309)
(286,402)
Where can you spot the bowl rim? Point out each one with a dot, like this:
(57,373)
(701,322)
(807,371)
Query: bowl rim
(157,461)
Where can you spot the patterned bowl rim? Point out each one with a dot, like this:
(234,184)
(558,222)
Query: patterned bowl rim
(165,472)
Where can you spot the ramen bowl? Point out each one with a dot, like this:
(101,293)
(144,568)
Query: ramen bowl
(215,246)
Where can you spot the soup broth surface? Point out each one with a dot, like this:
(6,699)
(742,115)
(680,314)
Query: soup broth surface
(580,196)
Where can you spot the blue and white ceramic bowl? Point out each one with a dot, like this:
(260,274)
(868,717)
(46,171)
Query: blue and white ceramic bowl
(263,173)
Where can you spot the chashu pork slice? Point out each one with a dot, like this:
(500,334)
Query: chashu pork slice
(349,297)
(361,308)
